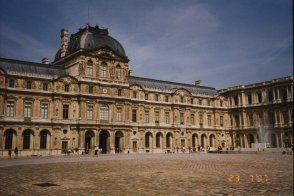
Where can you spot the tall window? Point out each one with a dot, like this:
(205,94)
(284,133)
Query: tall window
(26,139)
(285,117)
(249,98)
(103,70)
(182,118)
(236,100)
(29,84)
(237,121)
(221,120)
(146,96)
(90,112)
(166,98)
(192,119)
(200,101)
(285,94)
(208,102)
(43,139)
(11,83)
(104,112)
(8,139)
(209,120)
(118,114)
(65,111)
(270,96)
(28,109)
(250,119)
(45,86)
(259,98)
(201,120)
(156,116)
(167,117)
(182,99)
(90,68)
(192,101)
(10,109)
(118,72)
(146,116)
(134,94)
(134,115)
(119,92)
(44,110)
(271,118)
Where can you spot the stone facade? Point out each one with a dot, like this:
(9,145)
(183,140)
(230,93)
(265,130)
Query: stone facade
(87,97)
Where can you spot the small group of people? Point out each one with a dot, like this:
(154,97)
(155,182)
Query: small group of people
(97,150)
(15,152)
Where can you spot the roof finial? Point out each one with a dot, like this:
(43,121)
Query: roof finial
(88,16)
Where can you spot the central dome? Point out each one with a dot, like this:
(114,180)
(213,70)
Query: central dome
(92,38)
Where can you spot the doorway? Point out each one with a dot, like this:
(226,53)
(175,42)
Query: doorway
(104,141)
(135,146)
(118,142)
(64,147)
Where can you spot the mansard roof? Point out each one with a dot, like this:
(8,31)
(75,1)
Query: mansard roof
(30,69)
(171,86)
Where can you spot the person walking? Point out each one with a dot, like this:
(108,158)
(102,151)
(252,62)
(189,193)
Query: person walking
(9,153)
(16,152)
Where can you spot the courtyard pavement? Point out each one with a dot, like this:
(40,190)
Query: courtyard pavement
(149,174)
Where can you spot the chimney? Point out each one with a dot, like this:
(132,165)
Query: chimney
(45,61)
(64,42)
(198,83)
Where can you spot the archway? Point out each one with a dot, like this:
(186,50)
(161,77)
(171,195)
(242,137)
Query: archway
(194,140)
(273,140)
(9,138)
(148,140)
(44,139)
(89,139)
(118,141)
(250,140)
(104,141)
(159,137)
(26,138)
(168,142)
(212,140)
(203,140)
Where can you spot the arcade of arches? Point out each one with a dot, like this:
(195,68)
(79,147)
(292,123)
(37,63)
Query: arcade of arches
(122,141)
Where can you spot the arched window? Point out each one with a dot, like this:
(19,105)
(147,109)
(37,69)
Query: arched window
(8,139)
(104,112)
(43,139)
(26,139)
(90,68)
(118,72)
(103,70)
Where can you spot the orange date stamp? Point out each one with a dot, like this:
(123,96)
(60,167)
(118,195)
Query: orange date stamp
(259,178)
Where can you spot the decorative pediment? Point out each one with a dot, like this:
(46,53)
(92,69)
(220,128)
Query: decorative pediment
(105,54)
(67,79)
(182,92)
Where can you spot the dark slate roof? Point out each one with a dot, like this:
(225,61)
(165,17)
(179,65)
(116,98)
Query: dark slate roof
(92,38)
(171,86)
(30,69)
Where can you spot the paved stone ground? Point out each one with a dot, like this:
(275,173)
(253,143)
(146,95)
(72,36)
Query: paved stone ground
(149,174)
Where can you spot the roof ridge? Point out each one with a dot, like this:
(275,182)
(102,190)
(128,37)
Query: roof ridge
(15,61)
(176,83)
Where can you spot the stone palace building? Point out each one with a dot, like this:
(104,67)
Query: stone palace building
(87,97)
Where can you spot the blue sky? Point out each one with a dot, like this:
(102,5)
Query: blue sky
(221,42)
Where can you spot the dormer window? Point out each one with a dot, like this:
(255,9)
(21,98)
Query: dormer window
(118,72)
(29,84)
(90,89)
(182,99)
(90,68)
(66,88)
(45,86)
(11,83)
